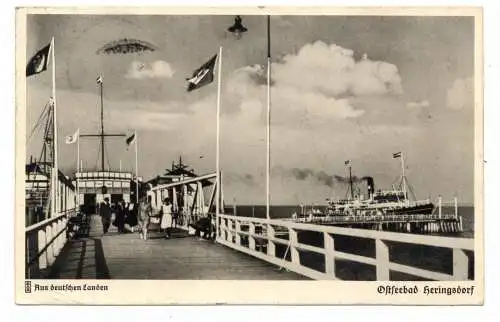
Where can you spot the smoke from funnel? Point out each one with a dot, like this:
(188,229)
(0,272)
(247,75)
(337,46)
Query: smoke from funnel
(321,176)
(370,183)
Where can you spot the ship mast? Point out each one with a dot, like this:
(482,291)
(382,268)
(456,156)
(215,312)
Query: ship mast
(403,176)
(350,181)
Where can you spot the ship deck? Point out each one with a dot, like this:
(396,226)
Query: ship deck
(183,257)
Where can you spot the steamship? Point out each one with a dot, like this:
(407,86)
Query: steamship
(395,201)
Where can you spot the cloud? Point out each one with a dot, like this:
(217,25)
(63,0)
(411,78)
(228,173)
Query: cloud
(420,104)
(461,94)
(157,69)
(332,70)
(316,85)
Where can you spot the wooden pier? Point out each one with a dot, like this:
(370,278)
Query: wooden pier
(183,257)
(245,249)
(414,223)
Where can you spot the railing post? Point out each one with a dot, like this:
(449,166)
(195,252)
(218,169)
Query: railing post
(222,228)
(42,259)
(271,246)
(460,265)
(217,227)
(382,257)
(329,246)
(50,247)
(440,206)
(57,241)
(238,229)
(229,235)
(293,246)
(251,237)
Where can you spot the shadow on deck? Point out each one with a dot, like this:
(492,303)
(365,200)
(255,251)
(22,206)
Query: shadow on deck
(126,256)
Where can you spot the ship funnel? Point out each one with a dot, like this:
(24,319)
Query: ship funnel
(371,185)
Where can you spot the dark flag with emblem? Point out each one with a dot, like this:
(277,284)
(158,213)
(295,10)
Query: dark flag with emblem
(396,155)
(130,140)
(203,75)
(39,62)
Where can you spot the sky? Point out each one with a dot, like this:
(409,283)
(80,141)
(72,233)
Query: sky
(353,88)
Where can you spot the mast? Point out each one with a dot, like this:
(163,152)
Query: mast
(350,182)
(403,176)
(100,82)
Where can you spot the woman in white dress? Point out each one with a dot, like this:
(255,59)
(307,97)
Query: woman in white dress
(166,217)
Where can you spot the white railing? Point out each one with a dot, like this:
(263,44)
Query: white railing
(231,234)
(44,241)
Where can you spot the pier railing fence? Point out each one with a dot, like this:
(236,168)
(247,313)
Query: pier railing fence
(322,256)
(44,241)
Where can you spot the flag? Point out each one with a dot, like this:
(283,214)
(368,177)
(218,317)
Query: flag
(70,139)
(39,62)
(130,140)
(347,162)
(99,79)
(203,75)
(396,155)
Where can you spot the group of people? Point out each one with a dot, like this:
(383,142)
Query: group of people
(165,214)
(125,213)
(137,217)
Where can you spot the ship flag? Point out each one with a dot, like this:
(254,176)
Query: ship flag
(202,76)
(39,62)
(347,162)
(396,155)
(70,139)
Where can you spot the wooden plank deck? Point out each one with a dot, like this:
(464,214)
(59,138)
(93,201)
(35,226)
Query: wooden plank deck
(126,256)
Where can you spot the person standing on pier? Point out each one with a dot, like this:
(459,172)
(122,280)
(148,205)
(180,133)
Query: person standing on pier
(131,218)
(120,216)
(166,218)
(145,214)
(105,212)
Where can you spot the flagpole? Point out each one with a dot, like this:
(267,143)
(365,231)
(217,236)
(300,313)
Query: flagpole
(78,167)
(55,169)
(217,152)
(136,170)
(268,122)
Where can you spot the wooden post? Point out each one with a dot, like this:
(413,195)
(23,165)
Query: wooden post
(229,235)
(456,207)
(185,207)
(251,238)
(440,205)
(42,260)
(222,228)
(238,236)
(294,252)
(271,246)
(460,265)
(50,248)
(329,245)
(382,257)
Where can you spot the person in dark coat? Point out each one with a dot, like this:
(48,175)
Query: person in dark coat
(131,219)
(105,212)
(120,216)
